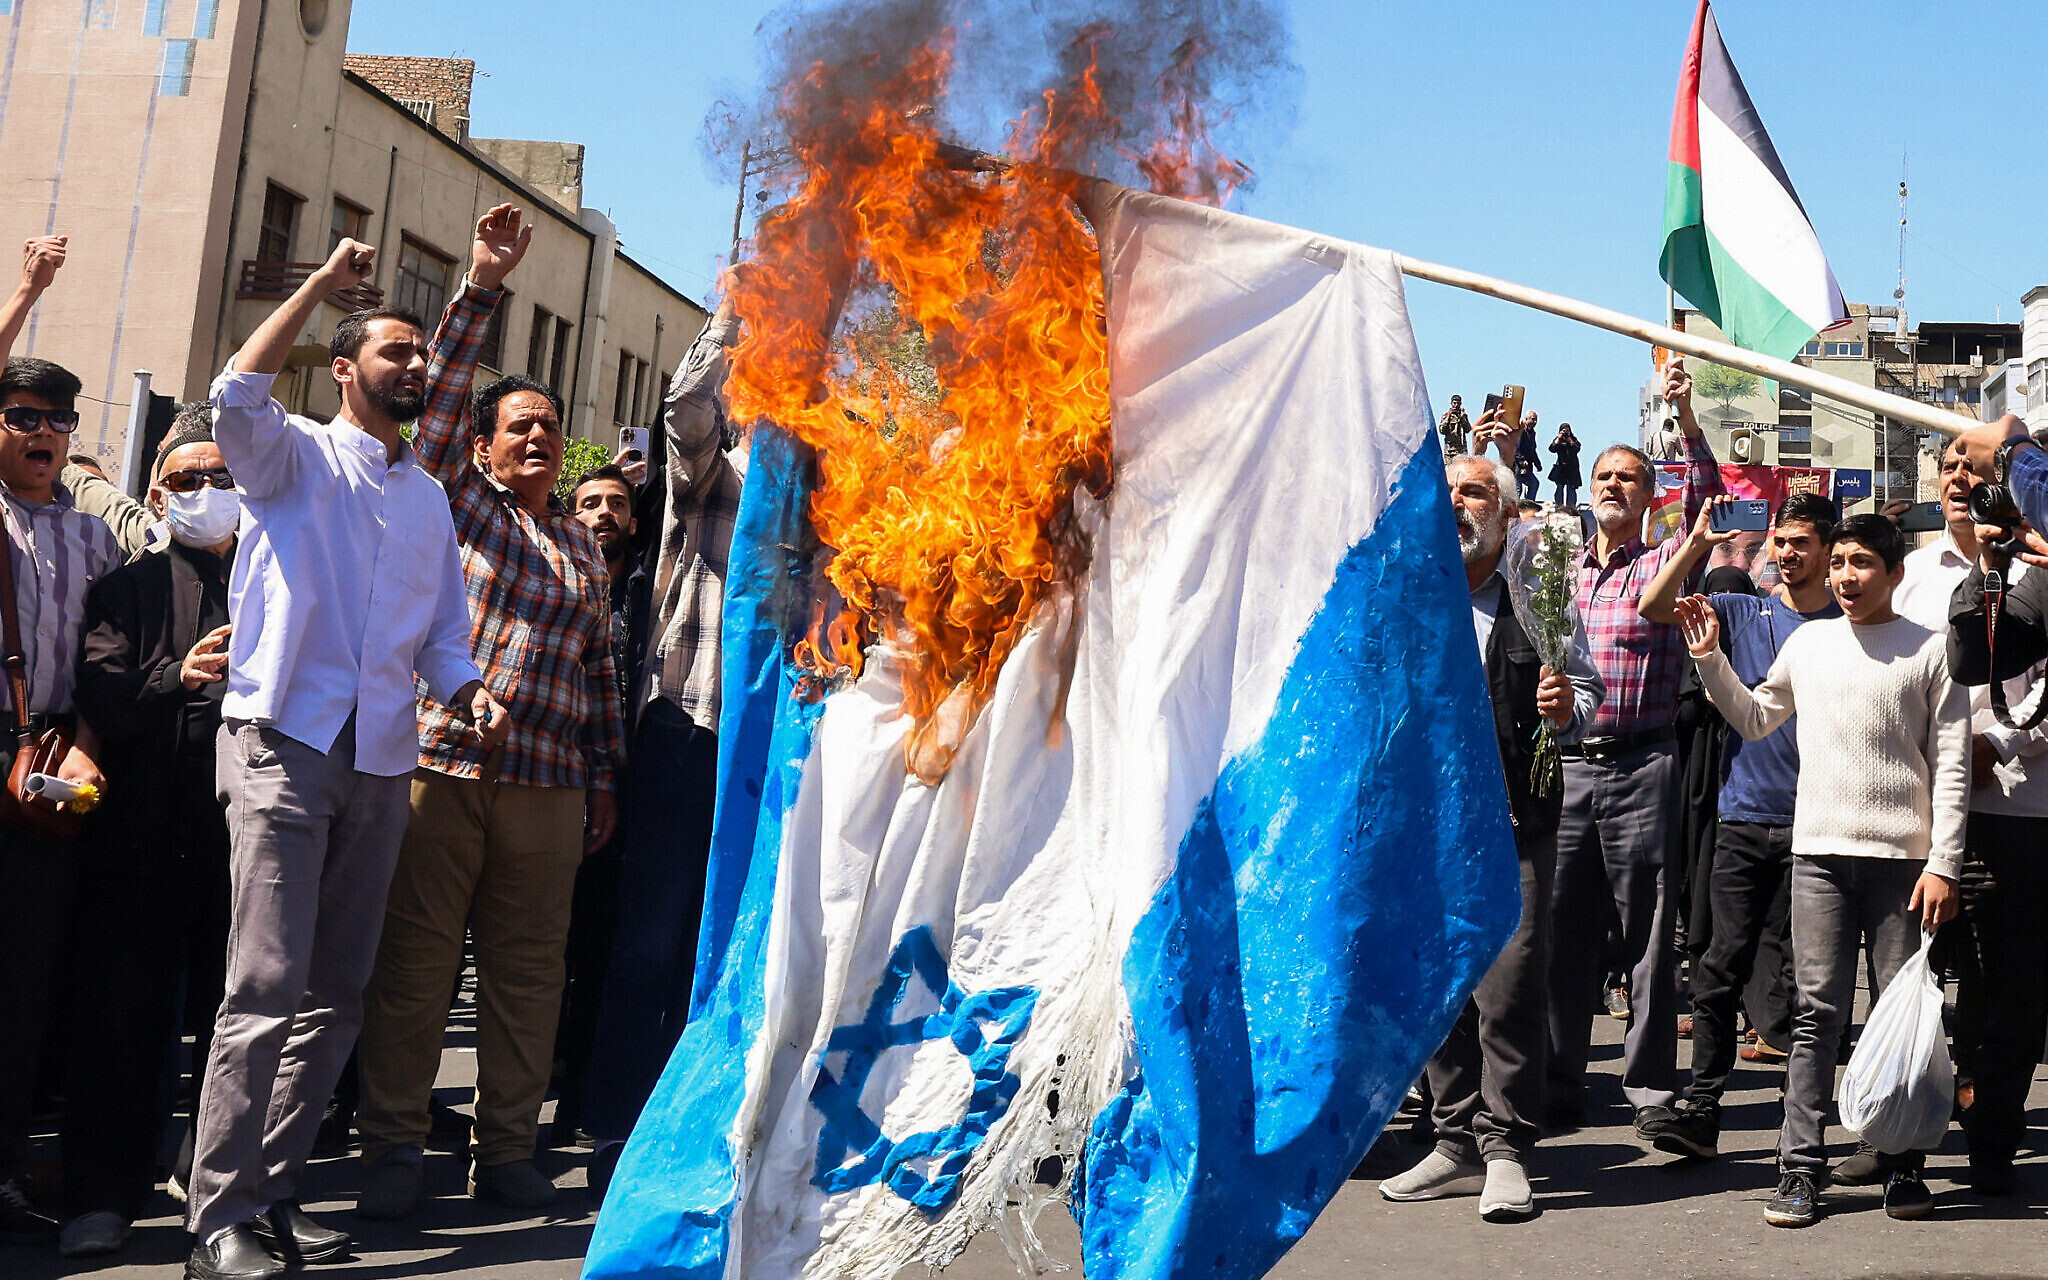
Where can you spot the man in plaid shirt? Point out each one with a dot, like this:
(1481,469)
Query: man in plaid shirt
(1615,840)
(495,837)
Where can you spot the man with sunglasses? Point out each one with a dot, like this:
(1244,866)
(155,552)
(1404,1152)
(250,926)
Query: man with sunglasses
(152,923)
(56,552)
(346,585)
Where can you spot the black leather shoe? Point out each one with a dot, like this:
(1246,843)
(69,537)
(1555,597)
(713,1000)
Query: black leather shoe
(236,1255)
(295,1239)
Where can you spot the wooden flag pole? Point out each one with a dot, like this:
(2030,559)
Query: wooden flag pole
(1896,407)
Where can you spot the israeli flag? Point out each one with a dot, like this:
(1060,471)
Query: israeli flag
(1206,884)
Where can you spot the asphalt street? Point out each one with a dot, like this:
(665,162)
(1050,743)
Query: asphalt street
(1608,1207)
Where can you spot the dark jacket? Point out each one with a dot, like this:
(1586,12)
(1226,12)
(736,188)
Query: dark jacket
(140,621)
(2022,628)
(1513,670)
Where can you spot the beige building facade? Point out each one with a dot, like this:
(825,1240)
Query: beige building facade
(205,155)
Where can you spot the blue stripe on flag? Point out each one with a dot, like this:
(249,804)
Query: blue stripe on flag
(1338,897)
(683,1189)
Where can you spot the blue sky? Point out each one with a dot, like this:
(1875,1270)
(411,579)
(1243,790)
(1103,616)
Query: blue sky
(1525,140)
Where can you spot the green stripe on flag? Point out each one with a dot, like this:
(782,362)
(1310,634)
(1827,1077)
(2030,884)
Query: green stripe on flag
(1751,315)
(1701,269)
(1685,263)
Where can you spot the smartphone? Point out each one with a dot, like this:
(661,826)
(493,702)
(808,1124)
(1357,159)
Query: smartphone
(633,440)
(1511,406)
(1744,515)
(1922,517)
(1492,402)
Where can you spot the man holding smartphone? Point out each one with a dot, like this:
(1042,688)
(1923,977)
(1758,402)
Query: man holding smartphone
(1749,886)
(1616,841)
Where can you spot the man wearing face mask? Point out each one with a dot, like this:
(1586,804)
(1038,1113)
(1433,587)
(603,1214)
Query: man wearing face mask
(152,922)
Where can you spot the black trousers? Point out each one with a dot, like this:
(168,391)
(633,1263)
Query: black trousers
(1750,890)
(38,880)
(673,790)
(1487,1077)
(150,943)
(2005,897)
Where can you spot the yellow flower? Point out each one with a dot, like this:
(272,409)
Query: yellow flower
(88,799)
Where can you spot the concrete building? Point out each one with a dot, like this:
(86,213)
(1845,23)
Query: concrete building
(1941,363)
(205,155)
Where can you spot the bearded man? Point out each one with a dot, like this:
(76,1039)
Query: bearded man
(1616,839)
(1487,1078)
(347,581)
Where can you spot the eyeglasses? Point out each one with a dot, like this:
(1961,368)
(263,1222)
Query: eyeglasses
(26,420)
(194,481)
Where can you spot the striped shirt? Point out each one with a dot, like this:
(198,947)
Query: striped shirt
(696,534)
(58,552)
(1640,660)
(539,597)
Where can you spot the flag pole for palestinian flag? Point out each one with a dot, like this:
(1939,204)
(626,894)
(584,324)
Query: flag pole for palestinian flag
(1737,242)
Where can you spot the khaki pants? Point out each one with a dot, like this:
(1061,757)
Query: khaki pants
(502,860)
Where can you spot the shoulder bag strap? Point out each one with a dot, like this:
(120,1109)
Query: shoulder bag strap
(10,630)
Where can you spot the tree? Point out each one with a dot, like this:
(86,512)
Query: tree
(580,457)
(1724,386)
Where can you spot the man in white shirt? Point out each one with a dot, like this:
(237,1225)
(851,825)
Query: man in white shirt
(1989,947)
(347,584)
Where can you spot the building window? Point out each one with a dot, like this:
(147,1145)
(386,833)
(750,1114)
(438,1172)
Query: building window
(280,225)
(1849,350)
(622,405)
(422,284)
(639,386)
(560,361)
(493,353)
(1812,349)
(350,222)
(537,341)
(175,80)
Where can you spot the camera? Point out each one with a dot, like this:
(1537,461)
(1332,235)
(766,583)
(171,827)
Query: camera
(1993,504)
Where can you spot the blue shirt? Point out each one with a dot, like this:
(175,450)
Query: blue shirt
(1759,779)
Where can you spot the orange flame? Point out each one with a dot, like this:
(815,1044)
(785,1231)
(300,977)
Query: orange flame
(936,334)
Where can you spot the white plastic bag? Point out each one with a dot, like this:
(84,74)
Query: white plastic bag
(1900,1088)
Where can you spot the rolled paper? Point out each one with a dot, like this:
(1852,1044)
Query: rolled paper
(53,788)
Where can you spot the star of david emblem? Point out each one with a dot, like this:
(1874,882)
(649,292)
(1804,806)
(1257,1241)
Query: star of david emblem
(923,1168)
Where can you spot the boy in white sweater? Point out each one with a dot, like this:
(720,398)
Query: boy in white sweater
(1877,830)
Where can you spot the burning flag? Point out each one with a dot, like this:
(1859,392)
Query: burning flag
(1737,242)
(1109,803)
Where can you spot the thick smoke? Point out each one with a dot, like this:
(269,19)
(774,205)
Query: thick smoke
(1230,60)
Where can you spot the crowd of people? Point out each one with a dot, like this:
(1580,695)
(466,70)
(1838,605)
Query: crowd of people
(358,700)
(1767,776)
(366,700)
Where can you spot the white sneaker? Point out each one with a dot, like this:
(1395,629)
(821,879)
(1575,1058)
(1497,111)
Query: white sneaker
(92,1234)
(1507,1197)
(1436,1177)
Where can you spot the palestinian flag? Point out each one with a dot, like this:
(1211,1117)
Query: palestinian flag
(1737,242)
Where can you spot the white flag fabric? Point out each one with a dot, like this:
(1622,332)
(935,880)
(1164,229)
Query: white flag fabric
(1208,881)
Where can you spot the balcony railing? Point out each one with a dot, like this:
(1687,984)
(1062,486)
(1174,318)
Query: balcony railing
(276,281)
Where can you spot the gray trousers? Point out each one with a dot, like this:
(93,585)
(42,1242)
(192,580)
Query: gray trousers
(1837,904)
(1614,847)
(312,846)
(1487,1078)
